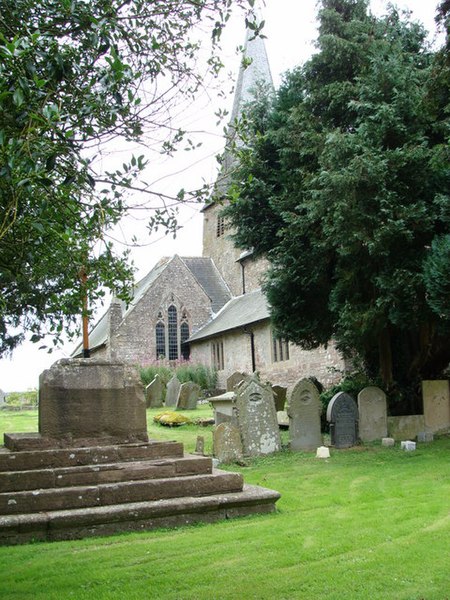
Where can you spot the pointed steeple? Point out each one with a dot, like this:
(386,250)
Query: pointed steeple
(254,69)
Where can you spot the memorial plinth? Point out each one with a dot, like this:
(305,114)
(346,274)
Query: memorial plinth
(87,401)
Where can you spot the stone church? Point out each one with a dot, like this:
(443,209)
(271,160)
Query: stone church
(211,309)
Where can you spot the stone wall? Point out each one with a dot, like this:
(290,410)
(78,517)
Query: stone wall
(301,364)
(134,339)
(225,256)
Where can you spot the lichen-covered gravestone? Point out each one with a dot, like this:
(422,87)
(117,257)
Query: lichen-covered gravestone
(257,418)
(227,443)
(372,414)
(172,391)
(304,411)
(154,393)
(235,379)
(342,415)
(188,396)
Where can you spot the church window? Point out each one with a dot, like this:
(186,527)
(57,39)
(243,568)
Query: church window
(280,348)
(173,332)
(160,340)
(217,355)
(184,335)
(220,226)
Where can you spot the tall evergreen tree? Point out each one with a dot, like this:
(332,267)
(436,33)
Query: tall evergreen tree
(344,184)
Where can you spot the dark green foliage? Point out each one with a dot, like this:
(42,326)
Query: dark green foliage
(74,77)
(349,164)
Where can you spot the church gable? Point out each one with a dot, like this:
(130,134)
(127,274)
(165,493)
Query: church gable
(166,313)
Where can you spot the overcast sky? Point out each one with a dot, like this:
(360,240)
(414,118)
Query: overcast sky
(291,30)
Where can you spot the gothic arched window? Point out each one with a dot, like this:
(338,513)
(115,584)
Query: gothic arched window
(172,320)
(172,332)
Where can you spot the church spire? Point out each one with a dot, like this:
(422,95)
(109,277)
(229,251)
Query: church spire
(254,69)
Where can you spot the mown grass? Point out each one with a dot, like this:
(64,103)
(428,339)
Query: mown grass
(368,523)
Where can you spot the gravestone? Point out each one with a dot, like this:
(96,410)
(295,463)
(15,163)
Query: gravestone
(2,399)
(154,393)
(323,452)
(257,418)
(425,436)
(436,405)
(408,446)
(304,409)
(172,391)
(372,414)
(227,443)
(200,445)
(235,379)
(188,396)
(342,415)
(388,442)
(280,394)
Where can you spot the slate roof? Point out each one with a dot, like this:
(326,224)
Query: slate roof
(204,271)
(238,312)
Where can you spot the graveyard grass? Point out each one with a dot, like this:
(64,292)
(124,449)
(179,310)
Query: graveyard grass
(370,522)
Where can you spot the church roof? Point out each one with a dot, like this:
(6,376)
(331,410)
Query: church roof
(238,312)
(206,273)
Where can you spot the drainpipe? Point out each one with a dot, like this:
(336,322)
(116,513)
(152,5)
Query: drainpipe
(252,346)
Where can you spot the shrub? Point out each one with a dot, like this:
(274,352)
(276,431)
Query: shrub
(205,377)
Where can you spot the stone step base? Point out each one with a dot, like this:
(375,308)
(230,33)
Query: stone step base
(137,516)
(31,501)
(87,475)
(27,460)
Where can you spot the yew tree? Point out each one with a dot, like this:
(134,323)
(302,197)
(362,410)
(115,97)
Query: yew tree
(343,183)
(77,77)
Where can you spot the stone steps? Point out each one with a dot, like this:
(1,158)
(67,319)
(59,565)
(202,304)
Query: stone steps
(103,473)
(68,493)
(140,516)
(92,455)
(30,501)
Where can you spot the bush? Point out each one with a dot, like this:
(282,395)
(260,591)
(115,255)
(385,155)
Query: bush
(170,418)
(29,397)
(203,376)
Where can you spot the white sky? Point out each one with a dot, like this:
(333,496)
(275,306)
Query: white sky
(290,29)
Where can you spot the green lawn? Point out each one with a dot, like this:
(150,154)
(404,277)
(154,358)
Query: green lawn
(369,523)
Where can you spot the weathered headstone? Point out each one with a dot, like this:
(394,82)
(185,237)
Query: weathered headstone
(280,394)
(408,445)
(235,379)
(227,443)
(257,418)
(436,405)
(188,396)
(342,415)
(388,442)
(425,436)
(283,419)
(304,409)
(200,445)
(323,452)
(154,393)
(372,414)
(2,398)
(172,391)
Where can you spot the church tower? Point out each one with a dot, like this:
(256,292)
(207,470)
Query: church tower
(239,270)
